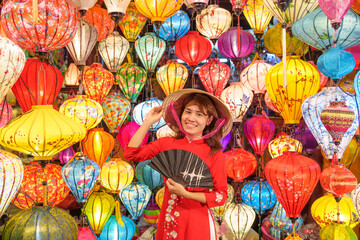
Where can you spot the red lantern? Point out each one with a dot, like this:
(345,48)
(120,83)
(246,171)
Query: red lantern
(39,84)
(239,164)
(293,178)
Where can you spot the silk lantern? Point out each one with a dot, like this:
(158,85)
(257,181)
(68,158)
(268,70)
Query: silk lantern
(283,143)
(39,84)
(338,231)
(257,16)
(127,131)
(239,217)
(99,18)
(5,112)
(323,78)
(172,76)
(253,76)
(199,5)
(165,131)
(269,103)
(238,6)
(83,5)
(225,141)
(66,155)
(115,231)
(85,233)
(293,178)
(117,9)
(39,27)
(72,75)
(151,213)
(148,176)
(142,109)
(239,164)
(98,145)
(335,11)
(116,175)
(132,23)
(219,211)
(281,222)
(159,197)
(303,134)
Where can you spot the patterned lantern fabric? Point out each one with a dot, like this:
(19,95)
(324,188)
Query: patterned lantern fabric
(253,76)
(127,131)
(132,23)
(219,212)
(240,217)
(5,112)
(116,175)
(99,18)
(31,190)
(66,155)
(280,221)
(283,143)
(239,164)
(338,231)
(114,230)
(172,76)
(116,109)
(148,176)
(269,103)
(335,10)
(257,15)
(142,109)
(49,26)
(151,213)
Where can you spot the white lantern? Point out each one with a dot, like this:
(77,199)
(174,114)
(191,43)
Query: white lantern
(84,5)
(117,9)
(239,217)
(72,75)
(164,131)
(253,76)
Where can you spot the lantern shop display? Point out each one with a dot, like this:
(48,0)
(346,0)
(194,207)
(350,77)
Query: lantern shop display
(219,212)
(172,76)
(148,176)
(100,19)
(132,23)
(127,131)
(239,164)
(115,231)
(116,175)
(239,217)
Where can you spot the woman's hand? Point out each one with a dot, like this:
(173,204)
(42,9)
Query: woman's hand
(153,115)
(176,188)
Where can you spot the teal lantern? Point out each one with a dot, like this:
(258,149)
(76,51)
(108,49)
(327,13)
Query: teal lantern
(281,222)
(142,109)
(135,198)
(45,223)
(148,176)
(115,231)
(116,109)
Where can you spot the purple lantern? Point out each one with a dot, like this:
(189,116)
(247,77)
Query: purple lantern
(127,131)
(5,113)
(225,140)
(303,134)
(67,154)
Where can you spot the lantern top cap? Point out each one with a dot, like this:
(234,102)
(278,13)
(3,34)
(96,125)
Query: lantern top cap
(42,107)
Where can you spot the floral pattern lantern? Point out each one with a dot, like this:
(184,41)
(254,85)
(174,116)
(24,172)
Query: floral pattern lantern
(116,175)
(269,103)
(127,131)
(142,109)
(280,221)
(66,155)
(219,212)
(257,16)
(54,23)
(239,217)
(253,76)
(172,76)
(115,231)
(99,18)
(148,176)
(284,143)
(338,231)
(72,75)
(132,23)
(239,164)
(5,113)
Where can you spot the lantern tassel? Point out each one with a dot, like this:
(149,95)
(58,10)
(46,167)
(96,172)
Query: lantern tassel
(118,213)
(35,11)
(284,55)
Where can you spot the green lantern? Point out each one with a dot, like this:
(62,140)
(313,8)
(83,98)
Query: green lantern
(338,231)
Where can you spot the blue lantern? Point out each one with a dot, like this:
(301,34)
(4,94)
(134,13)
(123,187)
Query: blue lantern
(135,198)
(114,231)
(315,30)
(80,174)
(311,109)
(174,27)
(148,176)
(142,109)
(258,194)
(336,63)
(280,221)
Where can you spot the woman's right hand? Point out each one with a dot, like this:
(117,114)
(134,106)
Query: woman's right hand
(153,115)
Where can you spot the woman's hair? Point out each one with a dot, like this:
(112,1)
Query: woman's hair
(207,106)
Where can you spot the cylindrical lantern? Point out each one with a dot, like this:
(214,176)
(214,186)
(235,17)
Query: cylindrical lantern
(283,143)
(66,155)
(142,109)
(239,217)
(148,176)
(127,131)
(116,175)
(219,212)
(253,76)
(100,19)
(172,76)
(239,164)
(132,23)
(116,109)
(115,231)
(257,16)
(72,75)
(338,231)
(282,222)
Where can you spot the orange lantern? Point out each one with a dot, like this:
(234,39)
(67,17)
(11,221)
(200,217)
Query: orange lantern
(283,143)
(132,23)
(99,18)
(172,76)
(239,164)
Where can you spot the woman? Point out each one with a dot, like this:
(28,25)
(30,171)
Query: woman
(199,121)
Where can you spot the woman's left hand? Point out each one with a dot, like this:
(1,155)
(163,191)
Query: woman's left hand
(176,188)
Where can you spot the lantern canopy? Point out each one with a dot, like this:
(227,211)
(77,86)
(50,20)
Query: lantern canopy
(99,18)
(132,23)
(148,176)
(239,164)
(116,175)
(239,217)
(172,76)
(253,76)
(282,222)
(115,231)
(283,143)
(72,75)
(337,231)
(219,211)
(142,109)
(127,131)
(257,16)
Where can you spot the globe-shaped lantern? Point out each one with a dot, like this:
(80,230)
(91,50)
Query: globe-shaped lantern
(253,76)
(214,75)
(239,217)
(257,16)
(283,143)
(172,76)
(159,197)
(151,213)
(39,84)
(127,131)
(303,134)
(165,131)
(115,231)
(302,81)
(116,175)
(219,212)
(335,10)
(44,132)
(41,223)
(83,110)
(148,176)
(280,221)
(238,98)
(293,178)
(80,174)
(338,231)
(116,109)
(142,109)
(5,112)
(83,5)
(117,9)
(259,195)
(132,23)
(259,130)
(239,164)
(85,233)
(99,18)
(48,26)
(66,155)
(72,75)
(32,189)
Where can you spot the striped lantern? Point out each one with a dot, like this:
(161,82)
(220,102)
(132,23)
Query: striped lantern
(148,176)
(116,175)
(151,213)
(172,76)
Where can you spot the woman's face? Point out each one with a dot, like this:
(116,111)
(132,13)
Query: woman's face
(194,121)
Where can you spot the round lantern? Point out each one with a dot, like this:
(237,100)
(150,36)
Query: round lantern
(39,84)
(258,195)
(116,175)
(132,23)
(160,196)
(32,188)
(142,109)
(80,174)
(115,231)
(325,210)
(85,233)
(293,178)
(214,75)
(83,110)
(11,175)
(98,145)
(116,109)
(83,5)
(259,130)
(41,223)
(148,176)
(44,27)
(257,15)
(269,103)
(283,143)
(238,98)
(44,132)
(338,231)
(98,209)
(302,81)
(97,82)
(99,18)
(219,212)
(66,155)
(239,217)
(72,75)
(335,10)
(5,112)
(165,131)
(282,222)
(172,76)
(151,213)
(239,164)
(253,76)
(127,131)
(117,9)
(303,134)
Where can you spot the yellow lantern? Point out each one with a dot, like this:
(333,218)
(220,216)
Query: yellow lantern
(257,16)
(172,76)
(293,236)
(325,209)
(159,198)
(283,143)
(116,175)
(302,81)
(42,132)
(132,23)
(337,231)
(72,75)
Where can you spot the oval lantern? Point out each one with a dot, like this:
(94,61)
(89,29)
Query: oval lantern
(127,131)
(283,143)
(116,175)
(142,109)
(151,213)
(219,212)
(280,221)
(72,75)
(66,155)
(253,76)
(338,231)
(100,19)
(239,164)
(116,109)
(148,176)
(172,76)
(160,196)
(5,113)
(113,230)
(257,15)
(239,217)
(132,23)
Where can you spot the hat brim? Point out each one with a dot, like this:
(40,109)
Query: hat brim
(222,110)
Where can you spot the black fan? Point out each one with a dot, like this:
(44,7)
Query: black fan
(183,167)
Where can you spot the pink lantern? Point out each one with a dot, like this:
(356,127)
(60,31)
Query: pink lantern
(127,131)
(238,6)
(253,76)
(355,51)
(85,233)
(66,154)
(335,10)
(270,103)
(323,78)
(5,113)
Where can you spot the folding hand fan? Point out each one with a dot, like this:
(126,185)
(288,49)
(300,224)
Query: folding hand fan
(183,167)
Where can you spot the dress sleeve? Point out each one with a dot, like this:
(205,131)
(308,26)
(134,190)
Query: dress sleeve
(143,153)
(217,196)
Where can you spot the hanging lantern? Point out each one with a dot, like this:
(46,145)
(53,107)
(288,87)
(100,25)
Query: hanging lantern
(302,81)
(44,132)
(335,11)
(239,217)
(253,76)
(115,231)
(142,109)
(338,231)
(269,103)
(239,164)
(116,175)
(259,130)
(85,233)
(199,5)
(99,18)
(81,46)
(257,16)
(83,5)
(151,213)
(39,84)
(98,209)
(283,143)
(349,156)
(83,110)
(303,134)
(97,82)
(41,223)
(11,175)
(48,26)
(219,212)
(214,75)
(117,9)
(238,6)
(72,75)
(293,178)
(135,198)
(258,195)
(32,188)
(160,196)
(113,50)
(323,78)
(116,109)
(127,131)
(165,131)
(282,222)
(172,76)
(148,176)
(132,23)
(80,175)
(225,140)
(98,145)
(238,98)
(355,196)
(66,155)
(5,113)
